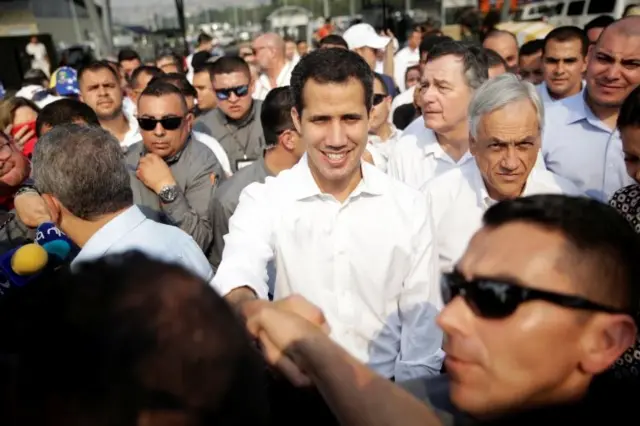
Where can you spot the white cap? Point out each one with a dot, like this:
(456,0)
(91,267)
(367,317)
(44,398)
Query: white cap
(361,35)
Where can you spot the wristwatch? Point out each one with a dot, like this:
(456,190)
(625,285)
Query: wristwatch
(168,193)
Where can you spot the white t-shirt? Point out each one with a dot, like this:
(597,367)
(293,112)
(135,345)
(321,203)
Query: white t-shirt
(39,54)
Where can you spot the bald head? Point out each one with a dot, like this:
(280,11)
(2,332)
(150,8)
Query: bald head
(273,41)
(629,27)
(506,45)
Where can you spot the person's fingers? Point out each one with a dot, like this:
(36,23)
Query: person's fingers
(20,133)
(7,130)
(280,361)
(27,136)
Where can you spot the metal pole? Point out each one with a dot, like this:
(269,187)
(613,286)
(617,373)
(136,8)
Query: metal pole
(506,10)
(74,17)
(103,45)
(352,8)
(235,22)
(107,21)
(407,5)
(325,8)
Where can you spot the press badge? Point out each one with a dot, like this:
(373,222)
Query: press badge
(241,164)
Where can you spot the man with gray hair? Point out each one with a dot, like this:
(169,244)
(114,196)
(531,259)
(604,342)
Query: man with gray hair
(271,58)
(506,117)
(81,174)
(451,75)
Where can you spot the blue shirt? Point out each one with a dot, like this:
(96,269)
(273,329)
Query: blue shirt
(578,146)
(131,230)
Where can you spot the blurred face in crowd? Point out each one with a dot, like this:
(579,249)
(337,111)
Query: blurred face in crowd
(101,90)
(264,52)
(564,65)
(503,364)
(631,147)
(445,94)
(237,103)
(506,148)
(381,107)
(531,69)
(334,125)
(290,50)
(368,54)
(206,96)
(412,78)
(14,166)
(613,69)
(593,34)
(246,53)
(138,86)
(506,46)
(168,64)
(129,65)
(303,48)
(160,140)
(414,40)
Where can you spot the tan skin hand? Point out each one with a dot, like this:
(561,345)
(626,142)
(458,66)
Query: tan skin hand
(154,172)
(31,209)
(22,136)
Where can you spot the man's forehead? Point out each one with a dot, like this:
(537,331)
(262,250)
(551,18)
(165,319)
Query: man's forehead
(449,67)
(232,76)
(618,43)
(98,76)
(169,103)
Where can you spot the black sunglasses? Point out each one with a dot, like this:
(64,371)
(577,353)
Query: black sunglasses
(169,123)
(494,299)
(240,91)
(378,98)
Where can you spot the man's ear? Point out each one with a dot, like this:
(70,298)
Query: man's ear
(54,207)
(473,145)
(296,119)
(286,140)
(608,338)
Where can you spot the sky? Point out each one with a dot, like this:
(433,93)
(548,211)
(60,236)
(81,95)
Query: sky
(130,11)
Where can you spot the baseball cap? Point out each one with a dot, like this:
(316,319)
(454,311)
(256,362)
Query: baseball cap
(65,81)
(363,35)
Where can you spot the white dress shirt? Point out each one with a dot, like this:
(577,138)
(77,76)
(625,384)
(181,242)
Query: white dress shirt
(217,149)
(417,159)
(458,199)
(384,148)
(368,263)
(263,85)
(131,230)
(133,134)
(580,147)
(404,59)
(416,127)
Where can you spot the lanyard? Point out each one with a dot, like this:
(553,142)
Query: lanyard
(240,144)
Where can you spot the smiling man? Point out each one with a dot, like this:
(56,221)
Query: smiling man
(339,231)
(506,118)
(580,141)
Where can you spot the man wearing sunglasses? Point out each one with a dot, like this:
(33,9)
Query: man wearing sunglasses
(382,134)
(275,68)
(540,306)
(175,174)
(506,116)
(235,123)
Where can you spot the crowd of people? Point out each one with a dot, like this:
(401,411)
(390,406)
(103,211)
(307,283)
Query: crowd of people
(357,234)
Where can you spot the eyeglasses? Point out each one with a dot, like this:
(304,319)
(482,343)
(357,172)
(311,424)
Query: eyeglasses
(239,91)
(494,299)
(378,98)
(168,123)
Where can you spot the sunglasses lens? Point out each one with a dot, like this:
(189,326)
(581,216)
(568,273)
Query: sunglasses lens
(147,124)
(492,299)
(222,94)
(242,90)
(377,99)
(171,123)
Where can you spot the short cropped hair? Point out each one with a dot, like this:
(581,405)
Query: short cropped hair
(65,111)
(97,66)
(228,65)
(602,21)
(494,59)
(532,47)
(473,59)
(606,247)
(333,40)
(428,42)
(178,80)
(276,114)
(332,65)
(568,33)
(161,88)
(128,55)
(150,70)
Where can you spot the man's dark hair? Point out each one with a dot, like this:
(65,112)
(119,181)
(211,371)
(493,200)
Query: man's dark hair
(145,337)
(429,42)
(228,65)
(333,65)
(97,66)
(163,87)
(378,77)
(602,21)
(150,70)
(603,248)
(474,60)
(494,59)
(333,40)
(288,39)
(532,47)
(176,59)
(200,58)
(301,41)
(276,114)
(569,33)
(630,111)
(204,38)
(128,55)
(65,111)
(34,76)
(178,80)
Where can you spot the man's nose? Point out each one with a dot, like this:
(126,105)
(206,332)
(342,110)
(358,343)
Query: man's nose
(336,136)
(510,159)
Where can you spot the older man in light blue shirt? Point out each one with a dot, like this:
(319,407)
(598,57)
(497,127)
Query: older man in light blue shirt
(81,175)
(580,141)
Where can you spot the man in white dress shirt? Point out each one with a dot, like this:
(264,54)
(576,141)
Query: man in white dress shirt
(407,57)
(506,117)
(564,58)
(81,174)
(341,232)
(580,141)
(273,63)
(451,75)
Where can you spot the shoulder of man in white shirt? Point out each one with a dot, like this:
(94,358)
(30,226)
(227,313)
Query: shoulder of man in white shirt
(547,182)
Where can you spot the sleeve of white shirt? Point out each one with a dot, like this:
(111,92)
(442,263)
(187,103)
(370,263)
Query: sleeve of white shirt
(420,302)
(248,246)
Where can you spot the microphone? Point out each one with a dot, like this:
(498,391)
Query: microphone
(21,265)
(54,241)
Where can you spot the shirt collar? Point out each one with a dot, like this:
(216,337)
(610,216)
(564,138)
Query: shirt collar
(393,136)
(483,198)
(306,186)
(280,80)
(579,110)
(110,233)
(431,146)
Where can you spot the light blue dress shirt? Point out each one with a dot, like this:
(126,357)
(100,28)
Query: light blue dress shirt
(131,230)
(578,146)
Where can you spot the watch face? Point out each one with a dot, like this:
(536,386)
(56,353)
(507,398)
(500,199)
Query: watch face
(168,194)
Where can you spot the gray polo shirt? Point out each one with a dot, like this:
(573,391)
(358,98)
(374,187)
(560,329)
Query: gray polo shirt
(192,168)
(242,139)
(225,201)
